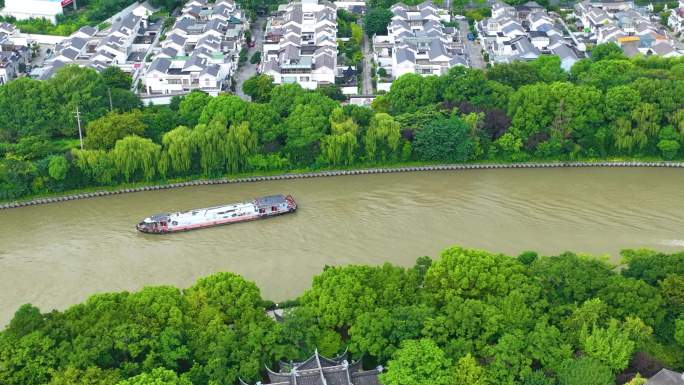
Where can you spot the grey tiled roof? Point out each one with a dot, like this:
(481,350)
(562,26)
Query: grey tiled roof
(70,53)
(194,61)
(178,39)
(160,64)
(77,42)
(564,52)
(129,22)
(666,377)
(319,370)
(88,30)
(212,70)
(405,54)
(170,52)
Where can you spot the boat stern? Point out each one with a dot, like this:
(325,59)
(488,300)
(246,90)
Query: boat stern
(291,204)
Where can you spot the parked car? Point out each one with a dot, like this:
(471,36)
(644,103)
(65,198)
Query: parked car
(471,37)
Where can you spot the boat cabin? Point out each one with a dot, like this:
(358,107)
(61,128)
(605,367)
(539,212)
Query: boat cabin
(273,204)
(155,224)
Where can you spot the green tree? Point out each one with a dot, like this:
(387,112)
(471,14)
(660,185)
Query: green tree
(135,157)
(240,144)
(382,138)
(258,88)
(339,295)
(191,107)
(679,331)
(651,266)
(445,139)
(284,96)
(672,290)
(114,77)
(28,360)
(470,273)
(509,363)
(379,333)
(78,87)
(256,58)
(27,107)
(158,120)
(516,74)
(179,147)
(468,371)
(584,371)
(102,133)
(305,126)
(90,376)
(418,362)
(549,69)
(58,167)
(210,141)
(610,346)
(158,376)
(376,20)
(124,100)
(340,146)
(608,73)
(625,297)
(669,143)
(607,51)
(621,101)
(412,91)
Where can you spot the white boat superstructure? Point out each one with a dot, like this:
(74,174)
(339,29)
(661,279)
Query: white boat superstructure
(218,215)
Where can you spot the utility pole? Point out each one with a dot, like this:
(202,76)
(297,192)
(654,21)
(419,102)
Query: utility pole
(78,120)
(109,92)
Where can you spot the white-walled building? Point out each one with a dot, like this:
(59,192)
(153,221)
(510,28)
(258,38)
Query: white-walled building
(15,52)
(99,49)
(300,44)
(201,50)
(676,19)
(620,22)
(525,32)
(27,9)
(417,42)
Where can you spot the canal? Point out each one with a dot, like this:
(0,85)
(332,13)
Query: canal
(58,254)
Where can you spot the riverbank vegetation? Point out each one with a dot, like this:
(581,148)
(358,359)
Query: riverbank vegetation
(470,316)
(606,107)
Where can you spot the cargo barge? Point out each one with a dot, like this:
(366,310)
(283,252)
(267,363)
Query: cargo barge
(259,208)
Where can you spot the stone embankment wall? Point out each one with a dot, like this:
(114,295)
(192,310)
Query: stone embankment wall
(319,174)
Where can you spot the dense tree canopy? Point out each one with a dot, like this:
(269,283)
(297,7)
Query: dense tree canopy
(469,317)
(605,107)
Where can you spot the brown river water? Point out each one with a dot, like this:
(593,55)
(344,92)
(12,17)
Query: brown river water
(58,254)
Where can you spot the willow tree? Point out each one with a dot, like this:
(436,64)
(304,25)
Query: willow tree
(96,165)
(382,138)
(634,133)
(134,155)
(240,144)
(339,147)
(178,149)
(210,141)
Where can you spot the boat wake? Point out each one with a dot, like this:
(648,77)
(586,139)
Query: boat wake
(673,242)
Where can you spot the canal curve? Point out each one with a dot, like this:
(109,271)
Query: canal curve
(58,254)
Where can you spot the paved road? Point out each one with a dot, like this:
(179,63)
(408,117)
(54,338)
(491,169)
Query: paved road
(248,69)
(367,85)
(473,49)
(367,81)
